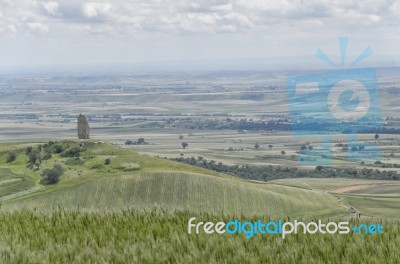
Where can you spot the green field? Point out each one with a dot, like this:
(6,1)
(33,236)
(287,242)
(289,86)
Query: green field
(161,237)
(370,198)
(327,184)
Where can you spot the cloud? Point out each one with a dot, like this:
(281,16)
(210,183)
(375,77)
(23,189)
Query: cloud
(214,28)
(51,8)
(207,16)
(38,27)
(96,10)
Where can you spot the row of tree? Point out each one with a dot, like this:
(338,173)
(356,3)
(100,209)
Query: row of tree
(266,173)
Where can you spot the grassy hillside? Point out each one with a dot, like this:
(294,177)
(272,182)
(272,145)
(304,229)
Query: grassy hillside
(187,191)
(130,180)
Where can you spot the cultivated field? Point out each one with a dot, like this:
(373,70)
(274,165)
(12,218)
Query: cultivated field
(369,197)
(161,237)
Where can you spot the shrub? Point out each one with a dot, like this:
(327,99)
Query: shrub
(12,156)
(28,150)
(57,149)
(33,156)
(52,176)
(97,166)
(47,156)
(74,162)
(129,166)
(72,152)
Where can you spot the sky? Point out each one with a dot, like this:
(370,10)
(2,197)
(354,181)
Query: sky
(69,32)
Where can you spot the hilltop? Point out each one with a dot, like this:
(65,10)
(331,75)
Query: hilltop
(102,176)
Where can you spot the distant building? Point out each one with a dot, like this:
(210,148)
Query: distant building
(83,127)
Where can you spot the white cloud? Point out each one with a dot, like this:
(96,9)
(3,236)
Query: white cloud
(52,8)
(38,27)
(95,10)
(208,16)
(12,29)
(191,25)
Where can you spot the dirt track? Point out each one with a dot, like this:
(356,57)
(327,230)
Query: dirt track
(358,187)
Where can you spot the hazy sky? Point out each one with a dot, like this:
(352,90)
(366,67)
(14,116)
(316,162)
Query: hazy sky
(122,31)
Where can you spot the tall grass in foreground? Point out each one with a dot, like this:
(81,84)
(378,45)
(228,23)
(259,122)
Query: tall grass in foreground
(161,237)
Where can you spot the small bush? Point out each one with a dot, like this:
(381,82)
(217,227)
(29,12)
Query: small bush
(129,166)
(28,150)
(57,149)
(74,162)
(12,156)
(97,166)
(47,156)
(52,176)
(129,142)
(72,152)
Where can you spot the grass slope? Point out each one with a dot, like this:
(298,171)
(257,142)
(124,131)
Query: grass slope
(138,181)
(187,191)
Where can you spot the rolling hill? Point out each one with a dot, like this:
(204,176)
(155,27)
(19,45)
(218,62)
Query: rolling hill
(101,176)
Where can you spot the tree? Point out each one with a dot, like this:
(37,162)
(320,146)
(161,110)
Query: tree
(52,176)
(33,156)
(303,147)
(129,142)
(257,146)
(47,155)
(184,145)
(140,141)
(107,161)
(72,152)
(181,137)
(28,150)
(283,152)
(270,146)
(12,156)
(57,149)
(310,147)
(376,136)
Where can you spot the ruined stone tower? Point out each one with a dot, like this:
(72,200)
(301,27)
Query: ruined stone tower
(83,127)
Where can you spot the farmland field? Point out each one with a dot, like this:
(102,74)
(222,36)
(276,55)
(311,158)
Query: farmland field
(207,109)
(370,197)
(161,237)
(329,183)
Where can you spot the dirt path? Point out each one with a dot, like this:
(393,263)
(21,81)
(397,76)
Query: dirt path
(358,187)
